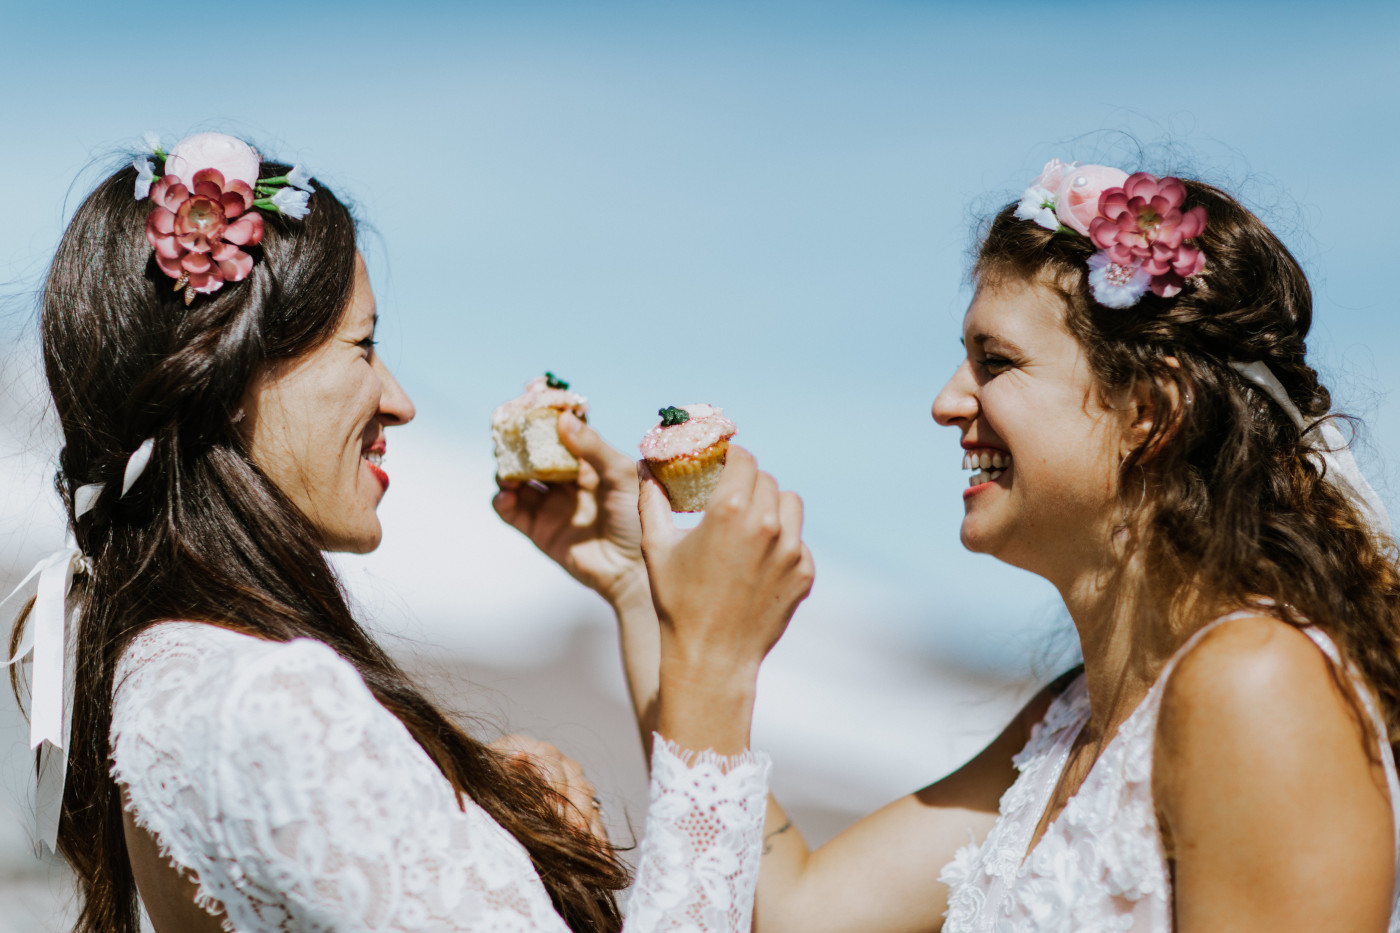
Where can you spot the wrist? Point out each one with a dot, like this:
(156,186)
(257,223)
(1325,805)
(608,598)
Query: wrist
(705,710)
(630,597)
(708,674)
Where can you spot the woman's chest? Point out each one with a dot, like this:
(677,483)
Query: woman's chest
(1096,864)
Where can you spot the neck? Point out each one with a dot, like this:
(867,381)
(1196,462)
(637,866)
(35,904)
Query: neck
(1129,623)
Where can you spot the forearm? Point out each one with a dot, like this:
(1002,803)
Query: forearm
(639,637)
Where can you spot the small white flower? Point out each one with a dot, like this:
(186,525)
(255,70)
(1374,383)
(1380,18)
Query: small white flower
(145,176)
(1116,286)
(299,177)
(291,202)
(1038,204)
(152,141)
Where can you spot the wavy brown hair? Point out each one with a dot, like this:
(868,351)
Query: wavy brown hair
(206,536)
(1227,496)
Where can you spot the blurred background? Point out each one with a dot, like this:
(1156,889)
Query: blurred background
(766,206)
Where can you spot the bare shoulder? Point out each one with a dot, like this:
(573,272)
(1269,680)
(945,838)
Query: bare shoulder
(1266,780)
(1259,690)
(1254,666)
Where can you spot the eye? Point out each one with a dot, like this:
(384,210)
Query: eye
(369,343)
(994,365)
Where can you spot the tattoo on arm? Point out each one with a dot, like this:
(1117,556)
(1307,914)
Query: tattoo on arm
(767,845)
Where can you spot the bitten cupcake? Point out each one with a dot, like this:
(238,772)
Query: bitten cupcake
(686,452)
(526,432)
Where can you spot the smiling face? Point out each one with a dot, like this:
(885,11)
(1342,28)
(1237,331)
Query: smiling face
(1043,447)
(315,425)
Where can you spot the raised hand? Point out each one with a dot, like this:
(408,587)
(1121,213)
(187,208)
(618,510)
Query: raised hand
(590,527)
(579,800)
(724,592)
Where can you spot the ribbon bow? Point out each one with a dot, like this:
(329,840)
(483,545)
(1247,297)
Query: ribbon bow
(1340,465)
(46,638)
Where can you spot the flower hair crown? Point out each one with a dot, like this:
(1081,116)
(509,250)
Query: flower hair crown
(204,207)
(1135,220)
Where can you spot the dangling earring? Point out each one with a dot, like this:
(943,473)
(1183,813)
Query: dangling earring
(237,417)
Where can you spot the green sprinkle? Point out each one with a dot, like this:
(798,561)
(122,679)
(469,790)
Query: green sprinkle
(672,416)
(554,382)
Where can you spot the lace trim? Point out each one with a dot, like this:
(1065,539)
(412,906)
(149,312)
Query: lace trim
(267,774)
(1100,865)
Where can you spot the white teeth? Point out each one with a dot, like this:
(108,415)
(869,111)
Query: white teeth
(375,457)
(984,476)
(986,459)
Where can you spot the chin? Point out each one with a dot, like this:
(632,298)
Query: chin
(359,541)
(977,540)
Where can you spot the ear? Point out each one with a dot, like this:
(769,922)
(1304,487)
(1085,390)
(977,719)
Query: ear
(1153,404)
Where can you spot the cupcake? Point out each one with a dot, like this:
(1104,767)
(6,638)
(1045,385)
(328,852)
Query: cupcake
(526,432)
(686,452)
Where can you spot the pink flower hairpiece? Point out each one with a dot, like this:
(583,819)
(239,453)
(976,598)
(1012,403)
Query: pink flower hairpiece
(205,208)
(1136,221)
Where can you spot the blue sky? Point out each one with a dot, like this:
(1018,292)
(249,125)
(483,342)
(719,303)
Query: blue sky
(761,205)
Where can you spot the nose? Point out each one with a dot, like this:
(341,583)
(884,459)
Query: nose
(395,407)
(957,402)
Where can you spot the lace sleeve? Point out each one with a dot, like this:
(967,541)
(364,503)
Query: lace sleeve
(297,802)
(699,859)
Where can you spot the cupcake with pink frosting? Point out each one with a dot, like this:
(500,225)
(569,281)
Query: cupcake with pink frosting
(526,432)
(686,452)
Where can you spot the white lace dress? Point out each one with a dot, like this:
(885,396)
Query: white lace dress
(270,773)
(1100,867)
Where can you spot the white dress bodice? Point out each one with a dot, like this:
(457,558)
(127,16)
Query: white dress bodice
(1100,866)
(270,774)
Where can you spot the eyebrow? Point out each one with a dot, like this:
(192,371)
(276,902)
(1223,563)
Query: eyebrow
(980,340)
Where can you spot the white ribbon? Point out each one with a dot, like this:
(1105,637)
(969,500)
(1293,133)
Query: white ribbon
(1341,469)
(46,639)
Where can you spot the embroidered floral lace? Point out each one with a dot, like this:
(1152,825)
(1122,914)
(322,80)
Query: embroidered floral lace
(271,775)
(1100,867)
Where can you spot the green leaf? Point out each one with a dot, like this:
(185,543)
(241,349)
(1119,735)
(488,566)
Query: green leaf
(672,416)
(554,382)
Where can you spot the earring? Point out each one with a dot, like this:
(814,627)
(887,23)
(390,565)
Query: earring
(237,417)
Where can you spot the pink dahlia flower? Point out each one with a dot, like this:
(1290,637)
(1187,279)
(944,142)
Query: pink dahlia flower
(1142,225)
(197,233)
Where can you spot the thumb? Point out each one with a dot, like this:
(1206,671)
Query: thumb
(585,443)
(654,509)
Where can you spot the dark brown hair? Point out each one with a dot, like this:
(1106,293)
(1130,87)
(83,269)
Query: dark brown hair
(206,536)
(1230,499)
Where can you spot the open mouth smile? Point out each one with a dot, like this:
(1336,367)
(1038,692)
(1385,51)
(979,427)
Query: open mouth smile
(987,464)
(374,458)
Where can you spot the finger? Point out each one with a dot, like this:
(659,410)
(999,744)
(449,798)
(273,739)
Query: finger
(599,830)
(790,511)
(507,506)
(765,504)
(807,569)
(596,826)
(735,486)
(614,467)
(654,509)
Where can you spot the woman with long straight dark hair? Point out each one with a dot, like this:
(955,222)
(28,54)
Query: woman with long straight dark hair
(241,752)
